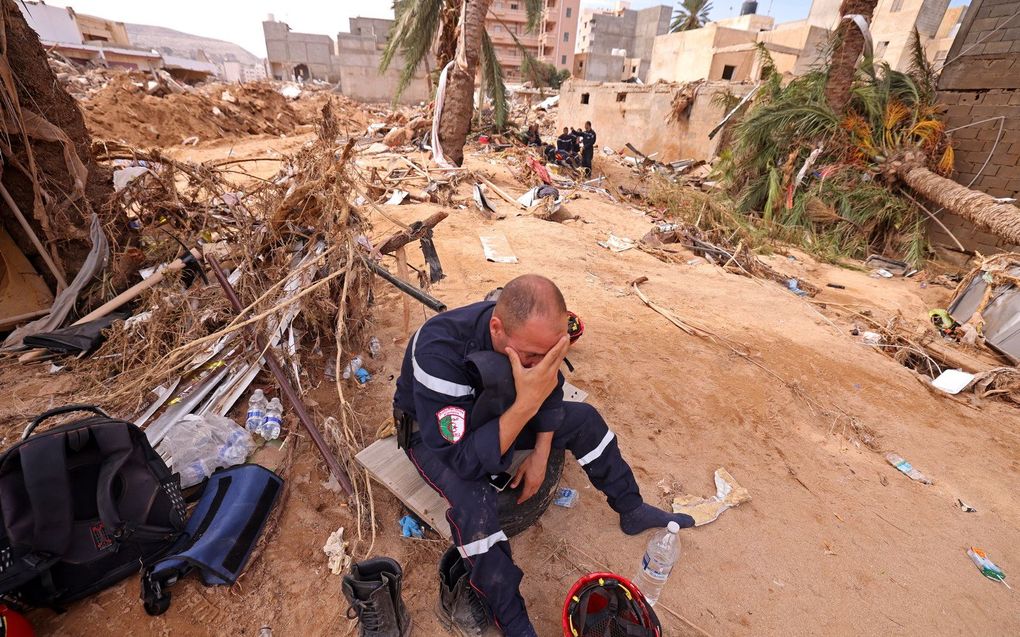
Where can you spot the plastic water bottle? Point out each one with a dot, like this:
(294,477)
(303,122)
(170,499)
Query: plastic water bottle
(353,367)
(256,411)
(235,449)
(374,346)
(274,418)
(193,473)
(662,553)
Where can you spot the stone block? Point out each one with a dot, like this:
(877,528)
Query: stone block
(997,47)
(999,11)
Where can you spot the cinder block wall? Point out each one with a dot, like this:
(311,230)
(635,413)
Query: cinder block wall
(981,81)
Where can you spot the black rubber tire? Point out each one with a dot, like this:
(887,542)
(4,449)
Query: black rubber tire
(515,518)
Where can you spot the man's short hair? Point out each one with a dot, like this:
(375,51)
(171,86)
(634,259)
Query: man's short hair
(527,296)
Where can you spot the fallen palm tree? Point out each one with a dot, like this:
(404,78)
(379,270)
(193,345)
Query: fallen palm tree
(836,181)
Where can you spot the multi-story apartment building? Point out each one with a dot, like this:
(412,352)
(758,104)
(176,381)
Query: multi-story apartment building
(553,42)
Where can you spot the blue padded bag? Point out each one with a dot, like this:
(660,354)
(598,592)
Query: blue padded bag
(220,535)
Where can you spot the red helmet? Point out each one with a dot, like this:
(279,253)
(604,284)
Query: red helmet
(608,604)
(14,624)
(575,327)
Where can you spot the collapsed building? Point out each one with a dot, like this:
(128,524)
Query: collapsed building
(351,61)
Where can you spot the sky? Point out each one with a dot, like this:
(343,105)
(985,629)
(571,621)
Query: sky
(240,21)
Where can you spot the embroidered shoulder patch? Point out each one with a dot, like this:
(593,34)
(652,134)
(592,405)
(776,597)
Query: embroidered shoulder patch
(451,422)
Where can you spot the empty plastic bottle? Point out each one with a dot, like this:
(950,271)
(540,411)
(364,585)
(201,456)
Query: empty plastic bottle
(256,411)
(352,368)
(235,449)
(374,346)
(274,419)
(194,473)
(662,553)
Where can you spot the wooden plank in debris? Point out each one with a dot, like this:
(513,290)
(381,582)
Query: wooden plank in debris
(389,466)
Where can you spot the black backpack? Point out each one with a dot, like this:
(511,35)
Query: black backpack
(82,506)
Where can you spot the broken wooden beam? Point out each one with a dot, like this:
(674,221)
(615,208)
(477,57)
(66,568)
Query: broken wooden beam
(416,231)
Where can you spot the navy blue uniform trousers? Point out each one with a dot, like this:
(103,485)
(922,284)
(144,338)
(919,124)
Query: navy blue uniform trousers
(474,518)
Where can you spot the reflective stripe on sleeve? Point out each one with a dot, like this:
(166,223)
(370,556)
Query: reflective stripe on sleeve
(481,546)
(436,384)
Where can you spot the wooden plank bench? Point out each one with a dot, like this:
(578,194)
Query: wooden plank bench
(389,466)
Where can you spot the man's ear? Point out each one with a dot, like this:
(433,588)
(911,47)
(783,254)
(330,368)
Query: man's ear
(496,326)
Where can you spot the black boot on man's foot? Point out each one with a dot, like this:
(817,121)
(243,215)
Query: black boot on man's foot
(460,609)
(372,588)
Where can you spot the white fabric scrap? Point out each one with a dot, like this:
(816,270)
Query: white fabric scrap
(617,244)
(335,549)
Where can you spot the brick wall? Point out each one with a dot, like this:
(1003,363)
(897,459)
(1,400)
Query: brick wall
(981,81)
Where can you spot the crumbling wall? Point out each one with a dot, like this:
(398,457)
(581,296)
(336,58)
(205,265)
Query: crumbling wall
(360,52)
(287,49)
(980,85)
(622,112)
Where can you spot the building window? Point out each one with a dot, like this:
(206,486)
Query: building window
(570,10)
(563,59)
(585,97)
(513,6)
(566,36)
(621,97)
(897,5)
(633,69)
(727,71)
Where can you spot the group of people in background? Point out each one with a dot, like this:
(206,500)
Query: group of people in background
(574,148)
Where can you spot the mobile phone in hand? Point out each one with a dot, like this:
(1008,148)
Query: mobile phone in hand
(500,481)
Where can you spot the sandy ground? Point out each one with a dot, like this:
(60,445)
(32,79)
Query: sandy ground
(834,541)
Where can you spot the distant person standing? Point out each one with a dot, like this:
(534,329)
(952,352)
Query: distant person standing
(566,141)
(588,151)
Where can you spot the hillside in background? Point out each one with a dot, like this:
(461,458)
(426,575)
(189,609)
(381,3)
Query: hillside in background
(182,44)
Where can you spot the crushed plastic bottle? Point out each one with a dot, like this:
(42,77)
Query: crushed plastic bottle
(256,411)
(374,346)
(235,449)
(986,566)
(662,553)
(352,367)
(274,418)
(906,468)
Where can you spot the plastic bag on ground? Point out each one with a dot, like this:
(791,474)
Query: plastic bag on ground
(195,446)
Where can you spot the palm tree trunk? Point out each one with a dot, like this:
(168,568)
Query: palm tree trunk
(848,48)
(455,120)
(1001,219)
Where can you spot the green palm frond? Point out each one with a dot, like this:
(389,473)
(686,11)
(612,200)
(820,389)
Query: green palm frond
(921,70)
(492,80)
(534,9)
(691,14)
(412,34)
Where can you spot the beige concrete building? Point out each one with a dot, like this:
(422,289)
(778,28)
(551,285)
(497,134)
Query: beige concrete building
(938,47)
(553,44)
(625,112)
(726,50)
(616,44)
(351,61)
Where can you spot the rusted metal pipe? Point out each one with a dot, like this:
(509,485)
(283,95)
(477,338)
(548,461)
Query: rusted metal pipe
(285,386)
